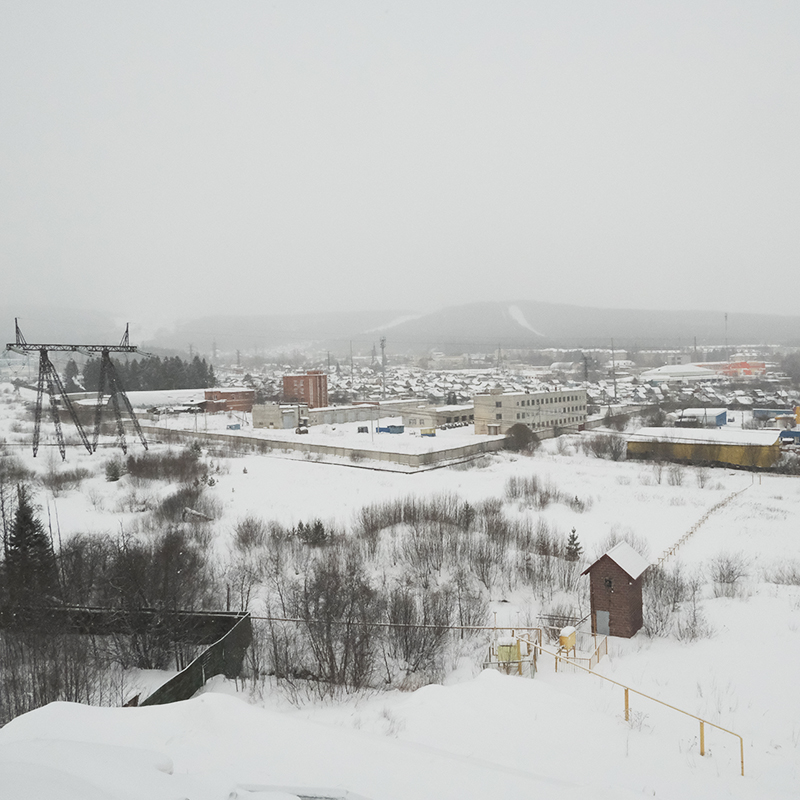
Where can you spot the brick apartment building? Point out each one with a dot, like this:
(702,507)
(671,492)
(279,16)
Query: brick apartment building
(310,389)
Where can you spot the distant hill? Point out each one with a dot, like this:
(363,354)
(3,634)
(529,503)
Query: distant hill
(476,327)
(271,332)
(533,324)
(480,327)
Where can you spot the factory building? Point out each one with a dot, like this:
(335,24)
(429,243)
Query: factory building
(543,412)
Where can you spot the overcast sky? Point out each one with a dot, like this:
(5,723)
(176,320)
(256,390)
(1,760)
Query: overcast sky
(181,158)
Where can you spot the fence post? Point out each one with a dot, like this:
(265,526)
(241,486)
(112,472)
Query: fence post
(627,711)
(702,739)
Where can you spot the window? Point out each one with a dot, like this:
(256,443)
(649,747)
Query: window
(608,583)
(498,416)
(498,404)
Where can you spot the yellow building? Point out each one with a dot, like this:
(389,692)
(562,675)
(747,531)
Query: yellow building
(736,448)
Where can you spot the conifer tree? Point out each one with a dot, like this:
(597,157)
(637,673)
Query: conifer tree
(31,568)
(574,548)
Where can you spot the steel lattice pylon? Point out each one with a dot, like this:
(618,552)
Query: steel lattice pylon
(49,378)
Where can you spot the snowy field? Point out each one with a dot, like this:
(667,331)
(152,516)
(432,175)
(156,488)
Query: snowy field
(479,734)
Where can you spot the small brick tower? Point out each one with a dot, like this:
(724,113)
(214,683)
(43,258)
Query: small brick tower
(615,591)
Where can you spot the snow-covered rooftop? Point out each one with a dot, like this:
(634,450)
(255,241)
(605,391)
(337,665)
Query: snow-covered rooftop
(706,436)
(625,557)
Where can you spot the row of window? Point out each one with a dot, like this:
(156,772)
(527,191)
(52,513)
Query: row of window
(422,421)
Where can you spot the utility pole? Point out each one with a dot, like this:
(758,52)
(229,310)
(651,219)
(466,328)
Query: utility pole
(727,354)
(383,366)
(614,369)
(191,351)
(351,362)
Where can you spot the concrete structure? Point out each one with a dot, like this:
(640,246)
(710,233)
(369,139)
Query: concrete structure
(733,447)
(290,415)
(336,415)
(405,462)
(615,591)
(311,388)
(436,416)
(237,399)
(542,411)
(280,416)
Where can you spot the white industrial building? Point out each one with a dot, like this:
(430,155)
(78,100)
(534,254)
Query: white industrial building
(542,412)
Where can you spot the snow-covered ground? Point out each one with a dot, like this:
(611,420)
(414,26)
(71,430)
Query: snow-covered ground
(344,434)
(481,734)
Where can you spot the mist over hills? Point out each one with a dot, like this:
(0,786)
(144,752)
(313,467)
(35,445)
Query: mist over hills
(475,327)
(479,327)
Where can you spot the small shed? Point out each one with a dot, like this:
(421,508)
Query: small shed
(615,591)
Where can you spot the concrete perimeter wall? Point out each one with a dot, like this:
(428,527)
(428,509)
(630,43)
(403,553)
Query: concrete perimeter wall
(264,445)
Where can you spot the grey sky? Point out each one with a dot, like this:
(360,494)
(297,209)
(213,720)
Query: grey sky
(180,158)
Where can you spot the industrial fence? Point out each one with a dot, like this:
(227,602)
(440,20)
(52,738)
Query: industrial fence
(628,690)
(223,657)
(355,455)
(670,551)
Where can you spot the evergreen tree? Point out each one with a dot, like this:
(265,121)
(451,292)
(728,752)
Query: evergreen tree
(71,373)
(574,548)
(31,569)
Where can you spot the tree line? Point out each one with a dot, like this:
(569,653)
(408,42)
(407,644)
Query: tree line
(149,374)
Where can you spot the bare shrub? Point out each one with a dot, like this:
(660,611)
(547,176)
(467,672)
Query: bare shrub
(422,621)
(172,507)
(250,533)
(787,573)
(662,592)
(702,475)
(58,478)
(727,572)
(606,445)
(536,493)
(658,471)
(337,603)
(692,623)
(675,475)
(616,535)
(177,466)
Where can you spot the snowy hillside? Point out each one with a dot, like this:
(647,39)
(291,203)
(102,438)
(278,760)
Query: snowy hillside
(477,734)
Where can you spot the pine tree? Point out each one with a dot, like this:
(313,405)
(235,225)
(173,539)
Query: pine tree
(574,548)
(31,567)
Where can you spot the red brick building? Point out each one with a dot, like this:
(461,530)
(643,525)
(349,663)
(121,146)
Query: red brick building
(615,591)
(229,400)
(310,389)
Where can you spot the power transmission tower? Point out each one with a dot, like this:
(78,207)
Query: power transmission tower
(49,378)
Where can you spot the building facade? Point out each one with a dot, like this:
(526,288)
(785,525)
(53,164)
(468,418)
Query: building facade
(615,591)
(437,416)
(229,400)
(280,417)
(311,388)
(543,412)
